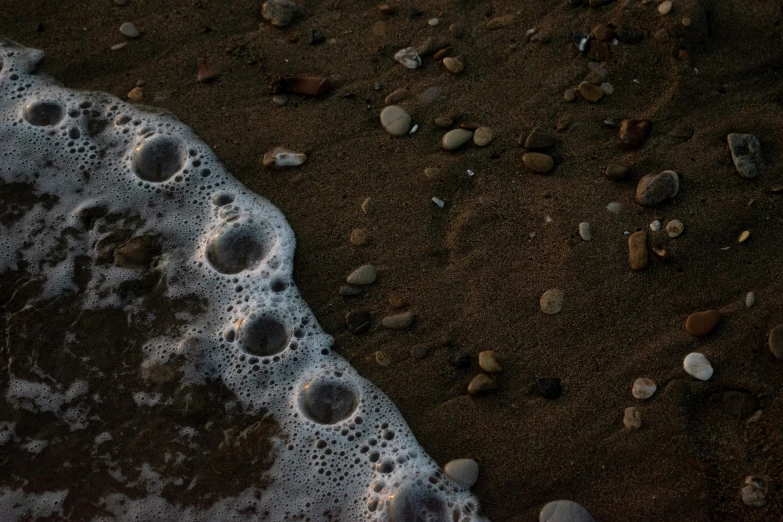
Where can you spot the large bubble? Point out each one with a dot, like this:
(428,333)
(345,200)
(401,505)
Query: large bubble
(263,334)
(241,243)
(43,112)
(329,398)
(158,157)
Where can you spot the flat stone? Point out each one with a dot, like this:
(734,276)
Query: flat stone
(675,228)
(483,136)
(358,321)
(746,153)
(349,290)
(538,162)
(754,492)
(364,275)
(654,189)
(633,133)
(129,30)
(453,65)
(419,351)
(481,383)
(617,172)
(551,301)
(499,22)
(539,139)
(408,57)
(455,139)
(700,324)
(397,96)
(278,12)
(665,7)
(739,404)
(584,231)
(565,510)
(632,418)
(462,471)
(590,92)
(398,321)
(637,250)
(643,388)
(696,365)
(488,363)
(396,121)
(776,341)
(550,387)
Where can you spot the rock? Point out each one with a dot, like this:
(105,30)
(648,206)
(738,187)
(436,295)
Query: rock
(435,173)
(481,383)
(603,32)
(739,404)
(607,88)
(744,236)
(614,207)
(358,321)
(590,92)
(439,202)
(316,37)
(387,10)
(696,365)
(665,7)
(629,36)
(539,139)
(661,254)
(280,157)
(367,205)
(569,95)
(599,51)
(136,252)
(750,299)
(349,290)
(551,301)
(754,492)
(617,172)
(686,22)
(419,351)
(632,418)
(409,57)
(702,323)
(398,321)
(657,188)
(444,122)
(655,226)
(566,510)
(462,471)
(633,133)
(776,341)
(637,250)
(598,69)
(382,358)
(455,139)
(584,231)
(643,388)
(358,237)
(396,121)
(429,46)
(483,136)
(278,12)
(307,85)
(117,47)
(549,388)
(397,96)
(746,153)
(675,228)
(457,30)
(136,94)
(488,363)
(538,162)
(499,22)
(662,35)
(364,275)
(129,30)
(453,65)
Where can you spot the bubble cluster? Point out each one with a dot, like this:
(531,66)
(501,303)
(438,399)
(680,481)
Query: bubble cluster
(95,162)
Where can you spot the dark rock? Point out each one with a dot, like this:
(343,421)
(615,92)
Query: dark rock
(599,51)
(746,153)
(550,388)
(617,172)
(538,139)
(419,351)
(358,321)
(316,37)
(603,32)
(580,41)
(657,188)
(633,133)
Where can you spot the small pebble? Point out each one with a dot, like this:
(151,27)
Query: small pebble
(434,173)
(633,133)
(686,22)
(696,365)
(569,95)
(395,120)
(481,383)
(129,30)
(539,139)
(136,94)
(655,226)
(455,139)
(457,30)
(632,419)
(538,162)
(117,47)
(607,88)
(700,324)
(657,188)
(462,471)
(439,202)
(643,388)
(565,510)
(430,95)
(675,228)
(432,22)
(397,96)
(598,69)
(590,92)
(358,321)
(444,122)
(280,99)
(362,276)
(409,57)
(349,290)
(500,22)
(488,363)
(419,351)
(551,301)
(665,7)
(382,359)
(549,388)
(398,321)
(453,65)
(584,231)
(397,300)
(746,153)
(278,12)
(358,237)
(367,205)
(603,33)
(614,207)
(617,172)
(637,250)
(750,299)
(280,157)
(754,492)
(483,136)
(776,341)
(744,236)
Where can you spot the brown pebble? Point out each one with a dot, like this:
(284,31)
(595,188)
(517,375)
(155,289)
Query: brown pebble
(590,92)
(702,323)
(457,30)
(538,162)
(419,351)
(776,341)
(358,236)
(539,139)
(569,95)
(205,74)
(358,321)
(599,51)
(444,122)
(633,133)
(398,321)
(308,85)
(446,51)
(386,9)
(617,172)
(488,363)
(603,32)
(637,250)
(632,418)
(136,94)
(367,205)
(453,65)
(500,22)
(481,383)
(483,136)
(397,96)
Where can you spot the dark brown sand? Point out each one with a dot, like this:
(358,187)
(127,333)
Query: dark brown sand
(473,272)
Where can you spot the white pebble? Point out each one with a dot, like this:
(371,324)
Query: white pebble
(665,7)
(414,128)
(129,30)
(643,388)
(551,301)
(281,157)
(117,47)
(614,206)
(697,365)
(608,88)
(433,21)
(655,226)
(584,231)
(462,471)
(471,173)
(750,299)
(531,32)
(409,57)
(438,202)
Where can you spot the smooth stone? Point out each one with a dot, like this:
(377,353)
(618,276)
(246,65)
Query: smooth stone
(500,22)
(483,136)
(675,228)
(603,33)
(633,133)
(739,404)
(435,173)
(569,95)
(551,301)
(397,96)
(614,207)
(278,12)
(462,471)
(590,92)
(430,95)
(550,387)
(746,153)
(455,139)
(655,226)
(750,299)
(409,57)
(367,205)
(419,351)
(744,236)
(539,139)
(665,7)
(637,250)
(398,321)
(643,388)
(129,30)
(776,341)
(700,324)
(453,65)
(481,383)
(349,290)
(565,510)
(608,88)
(362,276)
(617,172)
(396,121)
(696,365)
(136,94)
(754,492)
(488,363)
(538,162)
(654,189)
(584,231)
(429,46)
(358,321)
(358,237)
(444,122)
(632,418)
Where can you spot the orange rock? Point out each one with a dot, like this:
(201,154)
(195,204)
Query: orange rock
(702,323)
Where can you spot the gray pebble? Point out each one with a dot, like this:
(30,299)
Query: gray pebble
(746,153)
(456,138)
(462,471)
(657,188)
(754,492)
(364,275)
(398,321)
(564,511)
(419,351)
(584,231)
(349,290)
(395,120)
(129,30)
(750,299)
(614,207)
(278,12)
